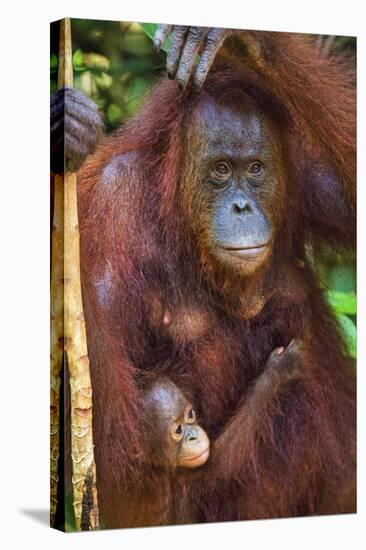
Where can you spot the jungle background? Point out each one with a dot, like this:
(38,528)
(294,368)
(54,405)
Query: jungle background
(115,64)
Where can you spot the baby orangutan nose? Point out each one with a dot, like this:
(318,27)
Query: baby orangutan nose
(195,448)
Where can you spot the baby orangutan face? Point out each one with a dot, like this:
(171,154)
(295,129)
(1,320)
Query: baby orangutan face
(170,427)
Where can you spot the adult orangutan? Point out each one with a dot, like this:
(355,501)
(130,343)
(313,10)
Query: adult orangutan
(194,221)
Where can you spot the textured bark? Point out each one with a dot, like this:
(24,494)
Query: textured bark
(57,337)
(66,281)
(82,450)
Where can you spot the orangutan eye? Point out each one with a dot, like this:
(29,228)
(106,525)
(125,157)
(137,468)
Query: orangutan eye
(255,168)
(177,432)
(189,415)
(222,171)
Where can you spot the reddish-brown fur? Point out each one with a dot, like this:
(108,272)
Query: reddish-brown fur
(140,263)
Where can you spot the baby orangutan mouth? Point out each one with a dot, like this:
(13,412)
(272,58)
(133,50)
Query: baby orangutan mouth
(198,460)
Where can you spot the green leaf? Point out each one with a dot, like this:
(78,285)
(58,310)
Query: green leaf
(342,277)
(96,61)
(349,331)
(54,61)
(342,302)
(150,30)
(114,113)
(78,58)
(103,80)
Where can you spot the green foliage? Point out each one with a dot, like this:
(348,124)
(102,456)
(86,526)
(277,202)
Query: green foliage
(338,277)
(349,332)
(342,276)
(114,113)
(344,305)
(53,62)
(78,59)
(342,302)
(114,64)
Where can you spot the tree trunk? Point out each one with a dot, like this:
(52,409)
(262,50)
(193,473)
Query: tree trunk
(68,317)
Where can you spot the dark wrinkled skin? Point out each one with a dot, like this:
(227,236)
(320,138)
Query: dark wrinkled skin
(243,210)
(76,127)
(187,42)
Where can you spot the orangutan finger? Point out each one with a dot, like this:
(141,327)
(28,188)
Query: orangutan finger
(175,51)
(187,61)
(161,34)
(213,43)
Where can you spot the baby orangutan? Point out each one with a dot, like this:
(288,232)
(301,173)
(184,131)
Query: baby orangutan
(176,446)
(170,428)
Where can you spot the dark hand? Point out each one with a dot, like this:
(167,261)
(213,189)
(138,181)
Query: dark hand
(76,127)
(283,365)
(187,42)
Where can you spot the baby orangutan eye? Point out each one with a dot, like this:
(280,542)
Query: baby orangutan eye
(177,432)
(255,168)
(222,171)
(189,415)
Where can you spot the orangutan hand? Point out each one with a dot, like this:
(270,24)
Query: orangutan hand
(187,43)
(282,366)
(76,128)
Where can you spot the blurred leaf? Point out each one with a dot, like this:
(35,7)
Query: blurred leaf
(78,58)
(136,43)
(100,103)
(54,61)
(103,80)
(135,94)
(342,302)
(150,29)
(141,65)
(137,88)
(345,42)
(349,333)
(342,277)
(114,113)
(96,61)
(87,83)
